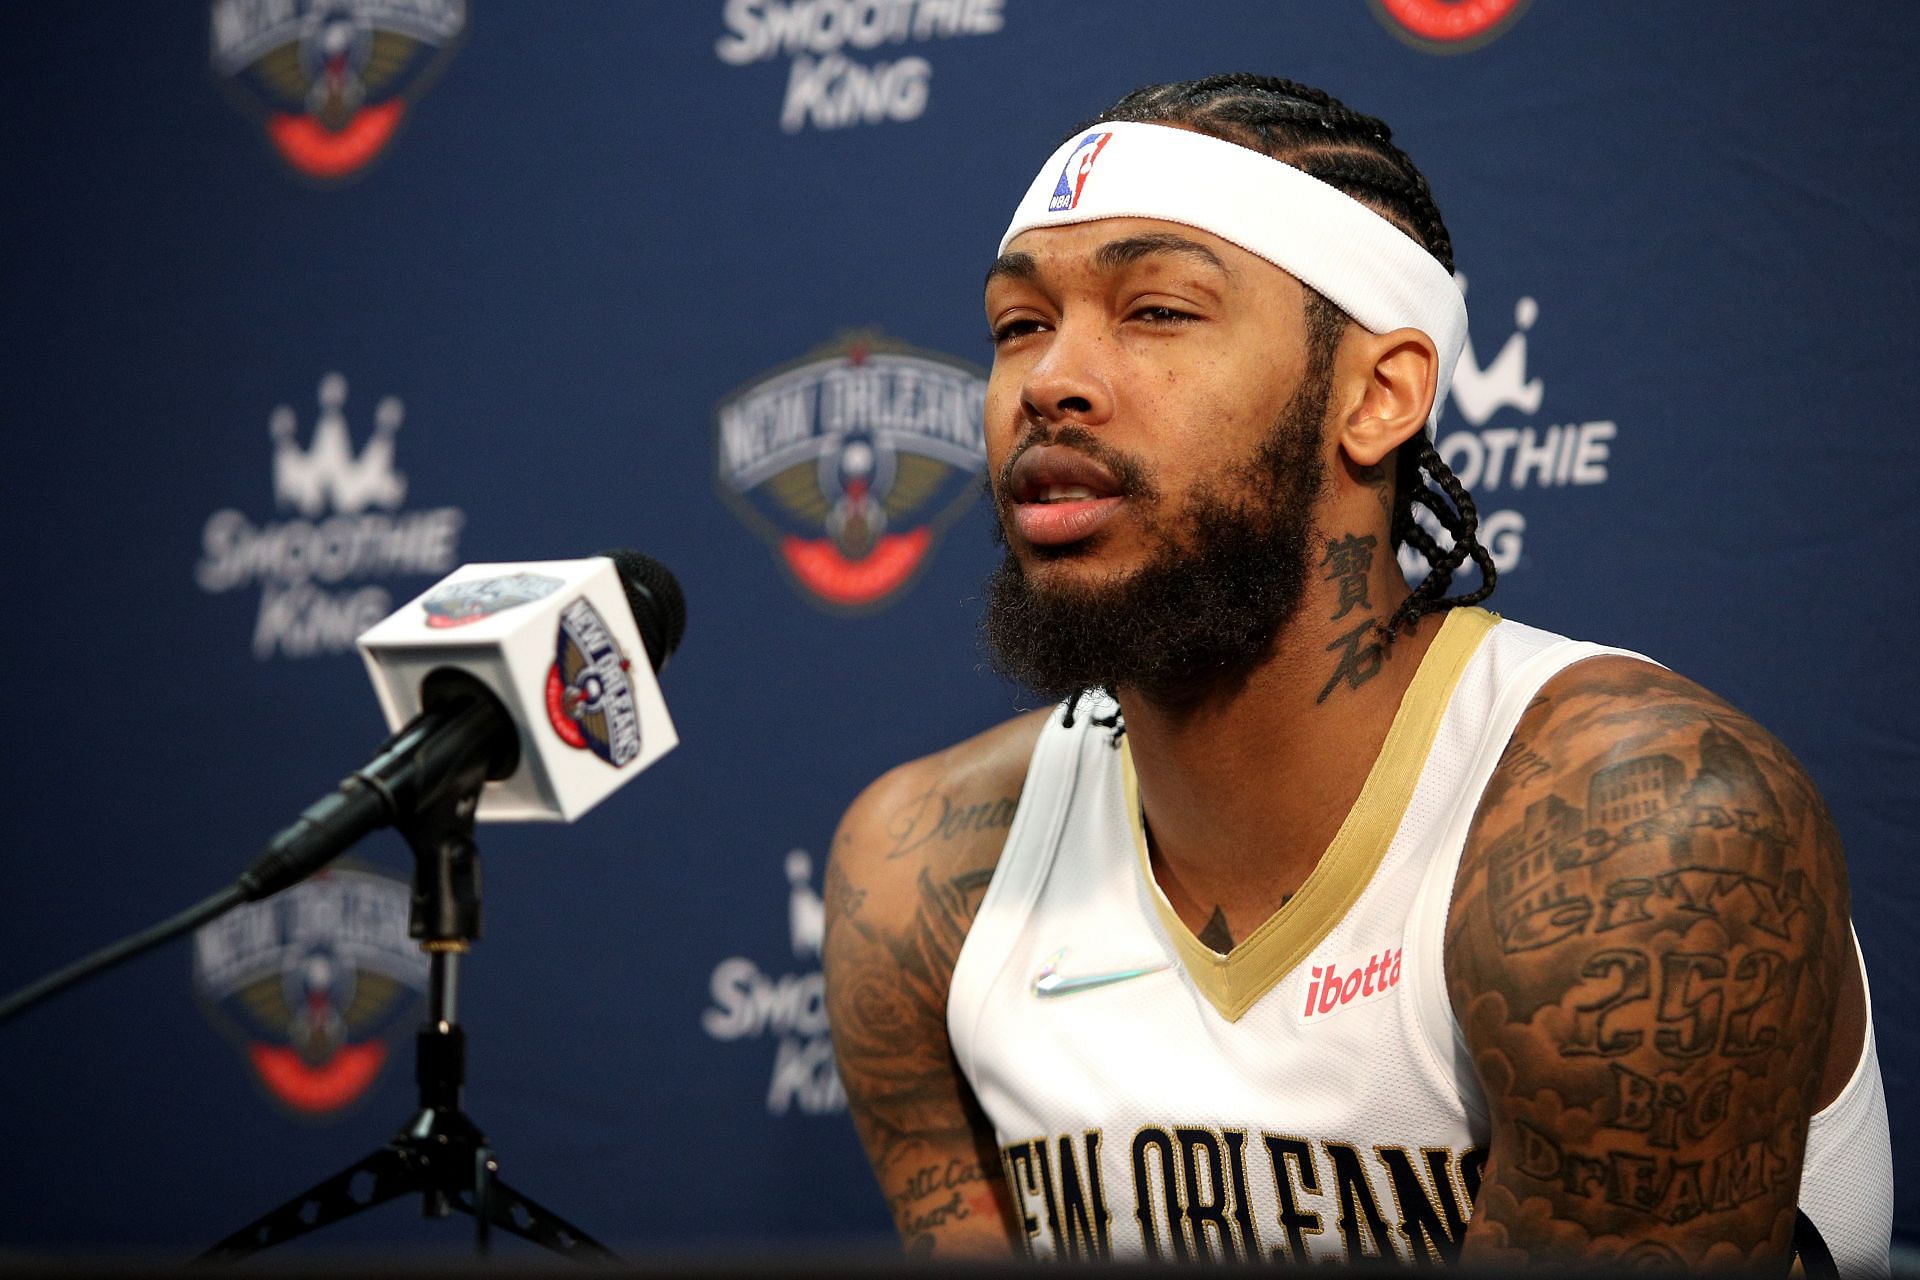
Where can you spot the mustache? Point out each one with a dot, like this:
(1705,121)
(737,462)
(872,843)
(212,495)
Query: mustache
(1133,476)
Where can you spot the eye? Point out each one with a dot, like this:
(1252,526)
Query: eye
(1161,314)
(1008,330)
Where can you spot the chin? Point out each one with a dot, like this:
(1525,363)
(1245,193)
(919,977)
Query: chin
(1091,562)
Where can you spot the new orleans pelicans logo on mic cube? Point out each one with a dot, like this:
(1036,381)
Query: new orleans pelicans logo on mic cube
(457,603)
(590,701)
(556,642)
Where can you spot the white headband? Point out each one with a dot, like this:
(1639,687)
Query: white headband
(1362,263)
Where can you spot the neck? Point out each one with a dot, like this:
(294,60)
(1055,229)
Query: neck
(1243,787)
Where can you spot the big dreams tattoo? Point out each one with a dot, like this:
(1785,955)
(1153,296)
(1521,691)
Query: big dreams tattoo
(1644,950)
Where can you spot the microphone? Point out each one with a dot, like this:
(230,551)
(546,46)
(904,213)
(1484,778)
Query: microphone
(527,669)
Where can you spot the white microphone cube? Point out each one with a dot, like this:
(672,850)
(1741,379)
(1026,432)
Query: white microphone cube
(556,642)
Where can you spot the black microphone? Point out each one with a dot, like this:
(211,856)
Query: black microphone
(463,719)
(469,706)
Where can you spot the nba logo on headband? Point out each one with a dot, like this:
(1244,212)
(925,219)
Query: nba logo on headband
(1079,164)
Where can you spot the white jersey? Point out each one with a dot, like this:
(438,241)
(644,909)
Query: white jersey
(1309,1096)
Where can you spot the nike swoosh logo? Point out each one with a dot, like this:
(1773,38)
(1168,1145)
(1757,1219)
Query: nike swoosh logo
(1051,982)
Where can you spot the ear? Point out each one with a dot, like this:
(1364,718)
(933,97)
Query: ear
(1390,379)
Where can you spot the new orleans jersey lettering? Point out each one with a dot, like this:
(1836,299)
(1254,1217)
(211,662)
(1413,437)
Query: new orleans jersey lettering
(1194,1194)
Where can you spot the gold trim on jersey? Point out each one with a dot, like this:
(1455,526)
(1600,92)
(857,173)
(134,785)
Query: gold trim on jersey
(1231,983)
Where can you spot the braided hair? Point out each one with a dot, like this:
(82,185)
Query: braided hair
(1317,134)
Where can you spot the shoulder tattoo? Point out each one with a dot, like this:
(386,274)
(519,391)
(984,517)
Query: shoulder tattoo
(1644,949)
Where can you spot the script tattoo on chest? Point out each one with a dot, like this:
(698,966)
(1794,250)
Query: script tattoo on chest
(1644,964)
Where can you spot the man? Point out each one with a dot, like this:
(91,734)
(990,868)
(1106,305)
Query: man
(1324,919)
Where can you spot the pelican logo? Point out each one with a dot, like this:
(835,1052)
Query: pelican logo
(1448,26)
(852,461)
(589,695)
(332,78)
(312,983)
(458,603)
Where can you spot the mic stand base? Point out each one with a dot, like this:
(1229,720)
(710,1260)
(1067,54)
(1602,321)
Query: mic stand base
(445,1158)
(442,1154)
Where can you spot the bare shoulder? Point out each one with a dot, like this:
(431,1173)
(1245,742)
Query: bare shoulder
(911,861)
(945,814)
(1647,949)
(1623,765)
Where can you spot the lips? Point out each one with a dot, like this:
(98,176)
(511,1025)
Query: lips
(1060,495)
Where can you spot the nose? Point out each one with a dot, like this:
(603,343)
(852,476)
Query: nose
(1069,382)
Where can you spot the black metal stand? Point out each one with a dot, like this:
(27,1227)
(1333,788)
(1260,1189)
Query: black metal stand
(441,1154)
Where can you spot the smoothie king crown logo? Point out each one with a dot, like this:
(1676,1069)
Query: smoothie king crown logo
(332,79)
(852,460)
(319,569)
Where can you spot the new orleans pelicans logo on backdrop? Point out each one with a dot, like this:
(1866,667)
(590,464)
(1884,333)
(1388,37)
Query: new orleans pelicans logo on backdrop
(852,460)
(312,982)
(1448,26)
(333,78)
(589,697)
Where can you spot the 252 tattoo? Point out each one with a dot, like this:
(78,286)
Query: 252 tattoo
(1645,949)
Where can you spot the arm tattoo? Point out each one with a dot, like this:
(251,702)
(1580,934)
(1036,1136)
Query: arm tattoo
(842,898)
(935,818)
(1645,946)
(887,995)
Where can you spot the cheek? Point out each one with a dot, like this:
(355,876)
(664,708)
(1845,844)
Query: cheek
(1002,413)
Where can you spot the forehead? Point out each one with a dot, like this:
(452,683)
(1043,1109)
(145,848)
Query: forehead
(1110,246)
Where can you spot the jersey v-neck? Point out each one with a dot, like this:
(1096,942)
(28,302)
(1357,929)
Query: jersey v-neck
(1233,982)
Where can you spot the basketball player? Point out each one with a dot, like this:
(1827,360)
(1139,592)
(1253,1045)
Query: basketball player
(1321,919)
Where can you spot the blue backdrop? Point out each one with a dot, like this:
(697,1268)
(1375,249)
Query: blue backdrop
(303,304)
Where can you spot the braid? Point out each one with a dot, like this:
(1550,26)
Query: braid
(1115,722)
(1354,153)
(1452,507)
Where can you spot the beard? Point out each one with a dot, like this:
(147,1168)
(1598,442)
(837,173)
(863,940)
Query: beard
(1225,574)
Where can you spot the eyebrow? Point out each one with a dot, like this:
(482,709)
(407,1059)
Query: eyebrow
(1012,266)
(1113,255)
(1120,253)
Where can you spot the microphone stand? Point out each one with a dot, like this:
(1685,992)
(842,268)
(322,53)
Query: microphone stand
(440,1153)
